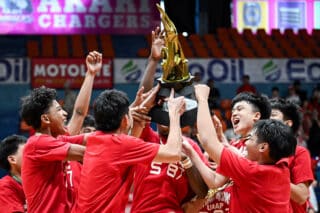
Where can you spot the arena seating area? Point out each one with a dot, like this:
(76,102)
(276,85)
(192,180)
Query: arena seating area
(225,43)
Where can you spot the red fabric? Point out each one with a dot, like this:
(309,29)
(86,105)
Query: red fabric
(246,88)
(44,180)
(161,187)
(300,172)
(106,174)
(73,174)
(256,188)
(12,198)
(221,201)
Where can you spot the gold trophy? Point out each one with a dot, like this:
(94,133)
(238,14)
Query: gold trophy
(175,75)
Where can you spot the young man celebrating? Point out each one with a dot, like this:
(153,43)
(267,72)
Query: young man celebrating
(301,174)
(45,181)
(12,197)
(261,178)
(111,154)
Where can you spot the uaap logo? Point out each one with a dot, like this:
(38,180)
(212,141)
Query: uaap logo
(252,14)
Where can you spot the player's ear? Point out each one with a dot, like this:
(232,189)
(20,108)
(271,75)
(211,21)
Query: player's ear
(45,119)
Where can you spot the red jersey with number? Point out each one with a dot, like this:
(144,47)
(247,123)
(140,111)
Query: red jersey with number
(220,202)
(12,198)
(73,174)
(106,175)
(161,187)
(44,179)
(300,172)
(256,187)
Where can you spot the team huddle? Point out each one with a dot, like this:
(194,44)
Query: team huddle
(62,168)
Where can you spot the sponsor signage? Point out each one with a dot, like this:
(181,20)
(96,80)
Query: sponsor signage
(270,14)
(252,14)
(78,16)
(14,70)
(231,70)
(55,73)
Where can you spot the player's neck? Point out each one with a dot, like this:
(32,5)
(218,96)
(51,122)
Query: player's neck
(16,175)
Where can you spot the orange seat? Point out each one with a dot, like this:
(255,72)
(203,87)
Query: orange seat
(63,49)
(32,49)
(91,43)
(77,46)
(106,45)
(47,46)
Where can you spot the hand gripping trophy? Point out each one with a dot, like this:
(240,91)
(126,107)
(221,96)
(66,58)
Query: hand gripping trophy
(175,75)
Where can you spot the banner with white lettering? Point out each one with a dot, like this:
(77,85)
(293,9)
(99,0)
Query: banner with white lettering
(55,73)
(14,71)
(78,16)
(231,70)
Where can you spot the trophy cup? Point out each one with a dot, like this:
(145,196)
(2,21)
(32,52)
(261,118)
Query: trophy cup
(175,75)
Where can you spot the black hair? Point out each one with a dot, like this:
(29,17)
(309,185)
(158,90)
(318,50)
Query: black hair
(109,109)
(282,142)
(275,88)
(36,104)
(260,103)
(9,146)
(290,111)
(89,121)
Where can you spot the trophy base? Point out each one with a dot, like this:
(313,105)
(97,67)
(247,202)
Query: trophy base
(159,113)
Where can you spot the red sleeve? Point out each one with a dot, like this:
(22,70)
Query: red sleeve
(234,166)
(135,150)
(11,196)
(76,139)
(148,134)
(48,148)
(300,166)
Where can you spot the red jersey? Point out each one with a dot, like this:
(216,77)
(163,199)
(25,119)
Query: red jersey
(300,172)
(106,175)
(221,200)
(161,187)
(44,179)
(12,198)
(73,174)
(256,187)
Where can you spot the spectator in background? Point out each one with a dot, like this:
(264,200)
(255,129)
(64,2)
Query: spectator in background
(246,86)
(214,95)
(299,91)
(12,198)
(293,96)
(275,93)
(89,124)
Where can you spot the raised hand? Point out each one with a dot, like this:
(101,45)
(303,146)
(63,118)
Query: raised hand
(176,105)
(218,126)
(94,62)
(202,92)
(157,44)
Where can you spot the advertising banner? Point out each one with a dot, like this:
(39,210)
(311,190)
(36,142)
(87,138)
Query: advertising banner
(14,71)
(78,16)
(280,14)
(231,70)
(317,14)
(55,73)
(252,14)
